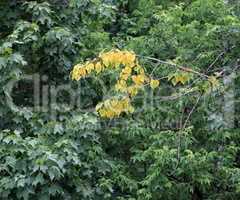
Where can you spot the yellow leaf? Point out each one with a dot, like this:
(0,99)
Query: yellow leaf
(133,90)
(89,67)
(99,106)
(98,67)
(138,80)
(154,83)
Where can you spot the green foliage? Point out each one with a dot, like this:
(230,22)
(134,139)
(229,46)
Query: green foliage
(176,144)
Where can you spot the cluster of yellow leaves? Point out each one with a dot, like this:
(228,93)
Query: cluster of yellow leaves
(214,82)
(210,85)
(82,70)
(180,77)
(116,57)
(111,59)
(135,75)
(131,79)
(114,107)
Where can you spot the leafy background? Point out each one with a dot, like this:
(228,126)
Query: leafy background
(147,155)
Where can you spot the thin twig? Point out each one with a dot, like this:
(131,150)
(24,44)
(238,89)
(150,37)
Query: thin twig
(189,115)
(217,58)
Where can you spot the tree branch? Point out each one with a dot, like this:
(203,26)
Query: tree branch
(186,69)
